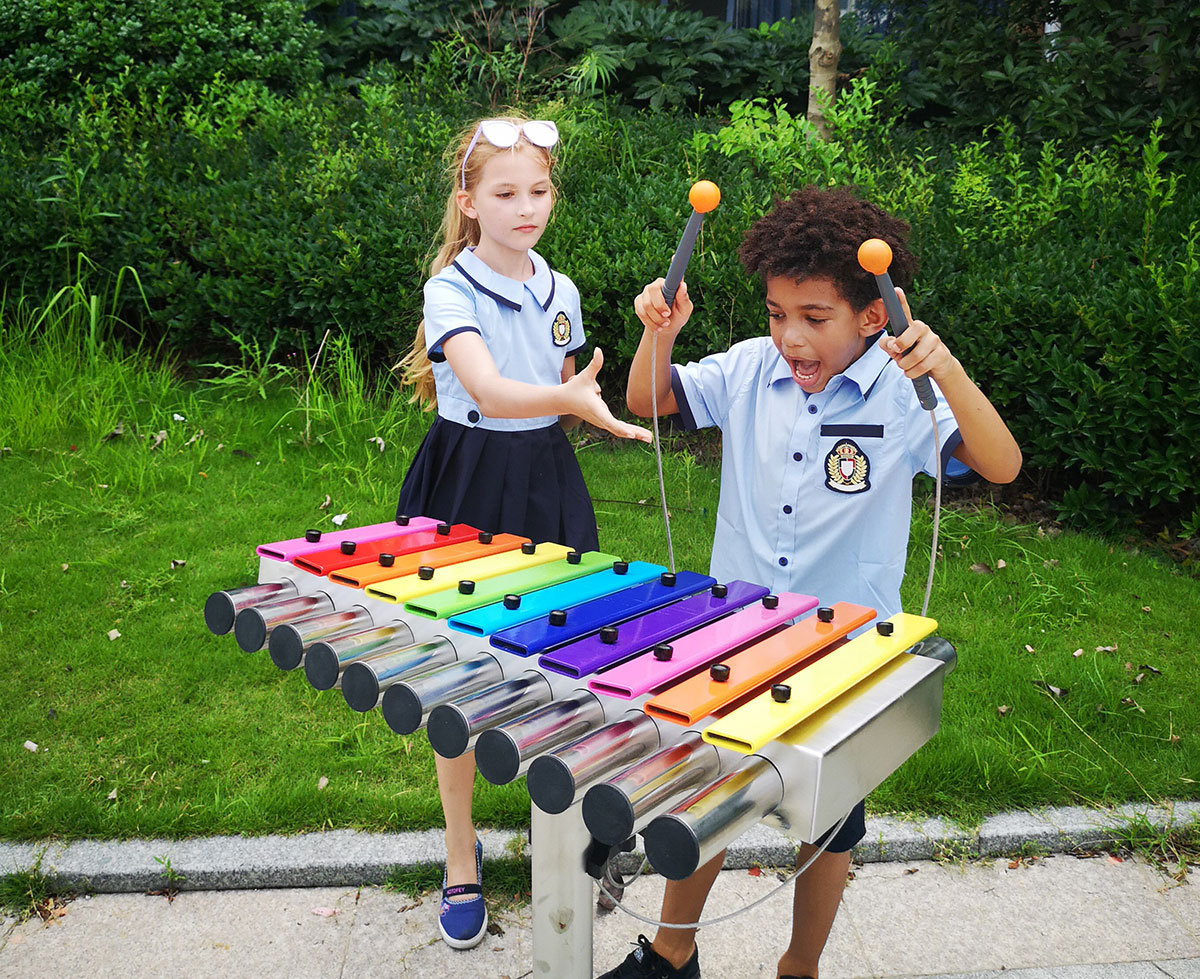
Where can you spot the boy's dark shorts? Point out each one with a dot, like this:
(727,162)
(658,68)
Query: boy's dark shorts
(852,831)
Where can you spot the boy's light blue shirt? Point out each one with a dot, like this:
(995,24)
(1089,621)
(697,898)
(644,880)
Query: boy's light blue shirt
(529,328)
(816,490)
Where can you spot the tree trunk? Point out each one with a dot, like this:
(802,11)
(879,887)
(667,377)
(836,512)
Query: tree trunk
(823,60)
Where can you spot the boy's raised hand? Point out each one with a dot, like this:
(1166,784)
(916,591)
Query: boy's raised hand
(585,401)
(918,350)
(656,315)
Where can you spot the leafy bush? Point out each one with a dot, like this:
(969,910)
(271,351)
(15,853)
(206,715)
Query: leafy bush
(1064,281)
(170,46)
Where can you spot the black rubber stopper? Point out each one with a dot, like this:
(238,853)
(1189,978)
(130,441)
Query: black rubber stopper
(663,651)
(466,587)
(402,520)
(360,687)
(286,647)
(781,693)
(497,757)
(447,730)
(443,529)
(512,602)
(219,613)
(348,547)
(620,567)
(528,547)
(668,578)
(485,537)
(550,783)
(720,591)
(401,708)
(387,560)
(424,572)
(321,666)
(671,847)
(558,616)
(607,814)
(825,613)
(574,557)
(884,628)
(609,634)
(312,536)
(250,630)
(770,601)
(719,672)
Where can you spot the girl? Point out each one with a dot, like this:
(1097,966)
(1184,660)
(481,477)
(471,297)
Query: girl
(496,354)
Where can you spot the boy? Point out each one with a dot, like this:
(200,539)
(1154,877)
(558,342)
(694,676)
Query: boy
(822,435)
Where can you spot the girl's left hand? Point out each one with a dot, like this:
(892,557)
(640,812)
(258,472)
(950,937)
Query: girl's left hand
(586,403)
(928,354)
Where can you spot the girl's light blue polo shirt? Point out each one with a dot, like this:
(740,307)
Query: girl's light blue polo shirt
(816,490)
(529,328)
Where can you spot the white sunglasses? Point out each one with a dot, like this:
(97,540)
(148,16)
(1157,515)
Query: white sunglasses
(502,134)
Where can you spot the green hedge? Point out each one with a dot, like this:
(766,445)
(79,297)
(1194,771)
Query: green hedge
(1066,284)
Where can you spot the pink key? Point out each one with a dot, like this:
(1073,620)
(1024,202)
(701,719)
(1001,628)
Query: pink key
(648,672)
(289,550)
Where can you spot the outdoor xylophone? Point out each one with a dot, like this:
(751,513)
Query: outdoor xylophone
(635,700)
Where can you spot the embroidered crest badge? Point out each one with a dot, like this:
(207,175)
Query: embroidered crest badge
(561,330)
(847,468)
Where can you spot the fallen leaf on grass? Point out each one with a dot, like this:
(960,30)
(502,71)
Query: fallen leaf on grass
(378,441)
(1029,648)
(176,416)
(322,782)
(112,796)
(1107,649)
(31,746)
(1003,709)
(65,566)
(113,635)
(325,505)
(1150,669)
(159,438)
(981,568)
(339,519)
(176,563)
(1001,564)
(116,432)
(199,434)
(1051,689)
(1078,653)
(1145,608)
(1139,678)
(1130,702)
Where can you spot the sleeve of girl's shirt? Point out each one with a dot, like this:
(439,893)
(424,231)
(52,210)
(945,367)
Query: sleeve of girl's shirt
(704,389)
(919,432)
(449,309)
(577,339)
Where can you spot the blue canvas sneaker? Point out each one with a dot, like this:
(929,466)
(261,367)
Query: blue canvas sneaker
(463,923)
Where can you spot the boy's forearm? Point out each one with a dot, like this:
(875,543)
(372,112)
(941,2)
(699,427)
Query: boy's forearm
(638,390)
(988,446)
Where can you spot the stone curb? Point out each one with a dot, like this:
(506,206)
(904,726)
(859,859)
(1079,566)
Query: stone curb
(348,857)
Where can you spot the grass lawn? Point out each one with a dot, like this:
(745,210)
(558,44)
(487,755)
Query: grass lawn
(168,730)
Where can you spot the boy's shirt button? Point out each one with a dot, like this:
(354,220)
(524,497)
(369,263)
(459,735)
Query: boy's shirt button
(783,562)
(797,456)
(787,508)
(812,409)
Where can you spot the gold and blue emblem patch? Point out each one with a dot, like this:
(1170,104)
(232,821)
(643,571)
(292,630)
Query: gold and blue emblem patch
(847,468)
(561,330)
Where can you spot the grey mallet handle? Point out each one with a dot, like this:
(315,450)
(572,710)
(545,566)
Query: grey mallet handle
(682,254)
(899,322)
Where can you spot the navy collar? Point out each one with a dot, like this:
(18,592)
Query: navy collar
(508,292)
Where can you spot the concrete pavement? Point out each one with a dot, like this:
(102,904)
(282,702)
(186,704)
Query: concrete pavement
(1057,915)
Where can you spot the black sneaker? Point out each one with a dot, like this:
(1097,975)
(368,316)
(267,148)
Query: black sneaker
(645,963)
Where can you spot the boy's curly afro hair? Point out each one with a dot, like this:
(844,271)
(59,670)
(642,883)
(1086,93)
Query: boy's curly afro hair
(817,232)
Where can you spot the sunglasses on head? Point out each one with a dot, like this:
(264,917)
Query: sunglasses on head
(502,134)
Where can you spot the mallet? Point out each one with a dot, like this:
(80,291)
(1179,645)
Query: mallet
(875,255)
(704,197)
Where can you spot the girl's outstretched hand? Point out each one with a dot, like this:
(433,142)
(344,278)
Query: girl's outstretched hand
(585,402)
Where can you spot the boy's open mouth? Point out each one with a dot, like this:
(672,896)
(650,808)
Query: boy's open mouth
(805,371)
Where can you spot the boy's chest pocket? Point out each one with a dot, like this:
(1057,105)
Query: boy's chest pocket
(850,456)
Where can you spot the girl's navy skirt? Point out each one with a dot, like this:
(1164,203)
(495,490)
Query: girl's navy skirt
(526,483)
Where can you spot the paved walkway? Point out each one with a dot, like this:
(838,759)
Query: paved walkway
(1059,916)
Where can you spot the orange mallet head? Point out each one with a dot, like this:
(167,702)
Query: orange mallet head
(875,255)
(704,196)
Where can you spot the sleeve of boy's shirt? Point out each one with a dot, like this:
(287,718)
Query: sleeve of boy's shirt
(919,429)
(449,309)
(703,389)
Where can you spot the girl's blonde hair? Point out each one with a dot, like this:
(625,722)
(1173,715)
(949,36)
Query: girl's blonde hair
(458,232)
